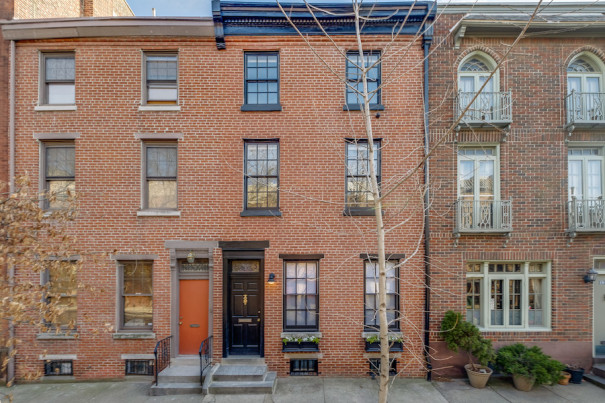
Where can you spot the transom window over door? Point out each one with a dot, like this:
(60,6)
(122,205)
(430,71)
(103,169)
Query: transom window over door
(585,100)
(472,74)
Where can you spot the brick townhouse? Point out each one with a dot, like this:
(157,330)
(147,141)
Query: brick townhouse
(517,220)
(210,157)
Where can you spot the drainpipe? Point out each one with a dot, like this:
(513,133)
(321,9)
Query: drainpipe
(427,39)
(10,369)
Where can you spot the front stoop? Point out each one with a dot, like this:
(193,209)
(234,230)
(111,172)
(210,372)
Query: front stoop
(236,376)
(182,377)
(598,375)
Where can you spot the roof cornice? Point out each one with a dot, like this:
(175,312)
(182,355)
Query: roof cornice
(525,7)
(107,27)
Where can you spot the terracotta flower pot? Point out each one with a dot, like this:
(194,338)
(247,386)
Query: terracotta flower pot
(565,379)
(478,378)
(524,383)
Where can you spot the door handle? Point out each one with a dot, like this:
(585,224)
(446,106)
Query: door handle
(258,320)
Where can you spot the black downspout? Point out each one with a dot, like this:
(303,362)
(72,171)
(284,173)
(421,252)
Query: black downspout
(426,44)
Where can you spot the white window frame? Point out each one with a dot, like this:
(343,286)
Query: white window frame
(585,159)
(524,276)
(494,157)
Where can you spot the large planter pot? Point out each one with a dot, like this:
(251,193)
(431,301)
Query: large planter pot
(524,383)
(478,378)
(576,375)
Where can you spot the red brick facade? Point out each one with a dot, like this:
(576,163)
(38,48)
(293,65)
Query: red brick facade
(311,128)
(533,173)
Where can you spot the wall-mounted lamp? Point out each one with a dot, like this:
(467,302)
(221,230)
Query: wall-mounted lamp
(190,257)
(272,278)
(590,276)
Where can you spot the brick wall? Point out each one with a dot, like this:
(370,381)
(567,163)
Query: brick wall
(533,173)
(6,12)
(311,128)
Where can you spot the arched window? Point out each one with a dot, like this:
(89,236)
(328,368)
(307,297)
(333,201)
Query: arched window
(585,97)
(474,71)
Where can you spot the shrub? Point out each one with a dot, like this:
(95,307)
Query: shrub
(518,359)
(460,334)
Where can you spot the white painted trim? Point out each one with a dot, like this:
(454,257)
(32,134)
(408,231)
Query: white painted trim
(159,108)
(158,213)
(49,108)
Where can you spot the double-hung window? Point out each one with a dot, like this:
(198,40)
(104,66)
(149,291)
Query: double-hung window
(136,295)
(59,173)
(586,97)
(58,78)
(261,177)
(359,197)
(160,176)
(261,76)
(371,320)
(354,87)
(585,188)
(301,296)
(508,295)
(161,78)
(61,293)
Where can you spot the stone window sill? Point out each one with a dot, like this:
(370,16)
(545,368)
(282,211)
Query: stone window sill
(260,213)
(159,108)
(50,108)
(133,335)
(57,336)
(158,213)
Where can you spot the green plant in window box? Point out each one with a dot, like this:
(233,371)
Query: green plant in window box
(300,339)
(373,343)
(460,334)
(529,366)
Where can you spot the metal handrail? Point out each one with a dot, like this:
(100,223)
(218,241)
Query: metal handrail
(585,107)
(205,355)
(487,107)
(586,214)
(483,216)
(162,356)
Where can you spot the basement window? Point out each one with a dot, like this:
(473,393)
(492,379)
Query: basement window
(58,368)
(304,367)
(139,367)
(375,367)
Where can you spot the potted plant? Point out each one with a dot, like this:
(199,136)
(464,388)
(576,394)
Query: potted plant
(460,334)
(300,343)
(565,376)
(373,343)
(528,366)
(576,372)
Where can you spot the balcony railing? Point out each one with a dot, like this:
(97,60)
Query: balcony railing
(489,109)
(586,215)
(484,216)
(585,109)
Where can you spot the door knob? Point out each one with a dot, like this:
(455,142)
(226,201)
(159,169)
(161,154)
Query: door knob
(258,320)
(180,323)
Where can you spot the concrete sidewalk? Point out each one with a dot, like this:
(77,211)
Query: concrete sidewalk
(315,390)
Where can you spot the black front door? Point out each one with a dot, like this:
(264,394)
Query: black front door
(245,313)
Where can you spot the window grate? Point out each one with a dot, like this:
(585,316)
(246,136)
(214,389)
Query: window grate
(58,368)
(139,367)
(304,367)
(375,367)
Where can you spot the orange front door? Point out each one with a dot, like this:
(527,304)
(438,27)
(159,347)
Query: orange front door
(193,315)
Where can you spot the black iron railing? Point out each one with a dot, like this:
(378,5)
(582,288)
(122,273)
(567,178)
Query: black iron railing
(205,355)
(162,356)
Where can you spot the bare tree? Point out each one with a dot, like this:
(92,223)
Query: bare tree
(395,51)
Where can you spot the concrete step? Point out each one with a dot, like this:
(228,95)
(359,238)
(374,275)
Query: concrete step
(267,386)
(599,370)
(185,360)
(595,379)
(243,360)
(227,373)
(164,389)
(180,374)
(599,359)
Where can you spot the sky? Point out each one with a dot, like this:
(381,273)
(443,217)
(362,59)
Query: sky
(202,8)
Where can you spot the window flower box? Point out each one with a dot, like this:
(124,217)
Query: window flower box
(373,343)
(300,344)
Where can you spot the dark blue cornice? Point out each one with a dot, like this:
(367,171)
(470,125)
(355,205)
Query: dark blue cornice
(264,18)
